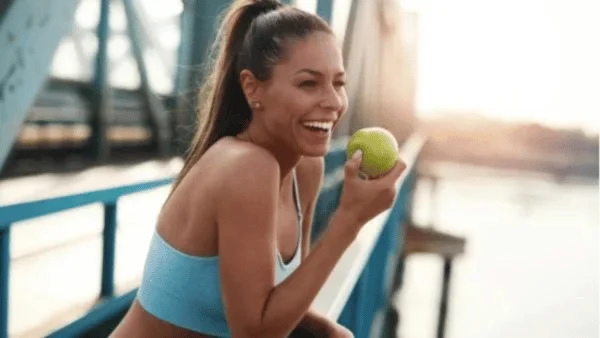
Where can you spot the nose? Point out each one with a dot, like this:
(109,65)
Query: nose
(333,99)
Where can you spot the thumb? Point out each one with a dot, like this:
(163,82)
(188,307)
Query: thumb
(352,167)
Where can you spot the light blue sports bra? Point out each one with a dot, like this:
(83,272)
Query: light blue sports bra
(185,290)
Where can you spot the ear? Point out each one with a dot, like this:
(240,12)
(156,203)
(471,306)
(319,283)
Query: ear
(250,86)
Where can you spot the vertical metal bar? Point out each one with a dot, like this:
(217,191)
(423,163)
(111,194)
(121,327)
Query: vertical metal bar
(325,9)
(441,328)
(183,78)
(4,280)
(100,102)
(361,327)
(108,250)
(198,22)
(413,179)
(346,125)
(183,99)
(158,116)
(434,201)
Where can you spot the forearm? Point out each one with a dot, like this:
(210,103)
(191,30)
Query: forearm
(289,301)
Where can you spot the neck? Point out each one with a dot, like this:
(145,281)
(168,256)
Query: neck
(287,158)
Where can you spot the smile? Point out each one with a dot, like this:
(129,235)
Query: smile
(319,126)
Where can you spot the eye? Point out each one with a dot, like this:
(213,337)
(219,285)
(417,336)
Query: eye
(308,83)
(340,83)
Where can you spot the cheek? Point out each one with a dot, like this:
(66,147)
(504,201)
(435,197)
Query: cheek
(295,105)
(284,112)
(344,99)
(345,102)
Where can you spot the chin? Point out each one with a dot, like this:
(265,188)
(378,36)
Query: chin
(315,151)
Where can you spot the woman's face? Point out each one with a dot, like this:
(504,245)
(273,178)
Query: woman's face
(305,97)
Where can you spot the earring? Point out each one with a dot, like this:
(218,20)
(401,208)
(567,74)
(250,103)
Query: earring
(256,105)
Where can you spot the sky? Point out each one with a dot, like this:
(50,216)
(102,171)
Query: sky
(517,60)
(520,60)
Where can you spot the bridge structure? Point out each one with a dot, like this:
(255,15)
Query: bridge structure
(91,83)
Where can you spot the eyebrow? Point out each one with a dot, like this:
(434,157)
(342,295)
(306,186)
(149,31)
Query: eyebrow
(317,73)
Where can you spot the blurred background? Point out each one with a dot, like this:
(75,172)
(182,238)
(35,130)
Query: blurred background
(506,92)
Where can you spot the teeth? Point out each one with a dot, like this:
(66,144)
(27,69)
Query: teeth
(321,125)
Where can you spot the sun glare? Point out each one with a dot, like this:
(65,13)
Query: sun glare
(524,60)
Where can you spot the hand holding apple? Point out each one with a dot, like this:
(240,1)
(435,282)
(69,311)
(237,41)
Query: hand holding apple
(379,150)
(373,153)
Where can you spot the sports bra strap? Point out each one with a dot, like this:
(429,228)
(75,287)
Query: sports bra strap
(297,197)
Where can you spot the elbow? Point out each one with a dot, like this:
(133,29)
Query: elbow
(257,330)
(260,325)
(250,332)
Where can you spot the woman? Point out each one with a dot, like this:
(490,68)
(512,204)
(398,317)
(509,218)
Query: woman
(225,258)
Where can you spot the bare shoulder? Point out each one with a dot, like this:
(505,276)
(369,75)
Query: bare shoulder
(242,168)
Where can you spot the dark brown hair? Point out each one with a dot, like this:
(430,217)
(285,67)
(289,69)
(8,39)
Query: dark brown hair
(252,35)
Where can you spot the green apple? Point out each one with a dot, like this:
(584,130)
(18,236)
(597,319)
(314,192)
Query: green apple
(379,150)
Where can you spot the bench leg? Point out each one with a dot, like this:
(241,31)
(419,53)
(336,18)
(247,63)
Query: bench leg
(441,328)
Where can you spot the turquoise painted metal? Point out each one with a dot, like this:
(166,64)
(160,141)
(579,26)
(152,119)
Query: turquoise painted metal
(4,280)
(101,95)
(325,9)
(159,117)
(32,38)
(99,321)
(369,298)
(30,31)
(23,211)
(198,29)
(371,294)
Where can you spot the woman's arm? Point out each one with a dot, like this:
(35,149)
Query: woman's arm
(247,207)
(310,176)
(246,216)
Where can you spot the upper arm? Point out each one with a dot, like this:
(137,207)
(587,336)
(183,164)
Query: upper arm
(310,177)
(246,216)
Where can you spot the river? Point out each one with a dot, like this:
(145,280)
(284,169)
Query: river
(531,263)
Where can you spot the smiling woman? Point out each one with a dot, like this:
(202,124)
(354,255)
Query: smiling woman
(231,254)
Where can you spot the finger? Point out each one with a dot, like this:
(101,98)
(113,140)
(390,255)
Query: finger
(396,171)
(352,167)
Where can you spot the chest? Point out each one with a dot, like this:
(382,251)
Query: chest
(289,229)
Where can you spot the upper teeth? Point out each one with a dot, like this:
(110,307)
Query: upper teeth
(320,125)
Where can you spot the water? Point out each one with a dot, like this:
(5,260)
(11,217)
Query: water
(531,262)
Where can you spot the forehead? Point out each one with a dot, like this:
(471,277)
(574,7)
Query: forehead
(318,51)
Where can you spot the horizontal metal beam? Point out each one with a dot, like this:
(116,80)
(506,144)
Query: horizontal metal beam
(97,316)
(30,31)
(28,210)
(68,102)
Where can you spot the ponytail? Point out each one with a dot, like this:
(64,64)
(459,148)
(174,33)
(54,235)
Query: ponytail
(250,37)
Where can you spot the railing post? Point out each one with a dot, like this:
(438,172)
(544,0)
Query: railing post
(441,328)
(108,249)
(4,279)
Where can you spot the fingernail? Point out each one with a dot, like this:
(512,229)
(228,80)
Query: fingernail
(357,154)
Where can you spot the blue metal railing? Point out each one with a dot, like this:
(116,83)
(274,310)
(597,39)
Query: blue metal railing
(11,214)
(369,296)
(378,278)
